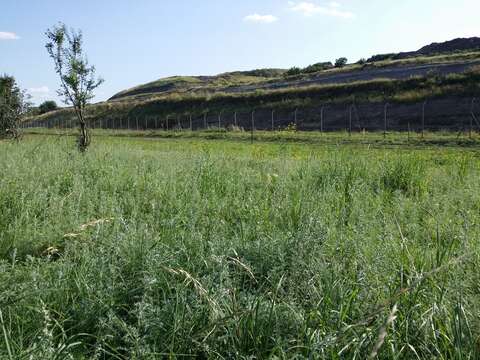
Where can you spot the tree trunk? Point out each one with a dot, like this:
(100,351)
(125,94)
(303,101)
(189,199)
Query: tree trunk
(84,139)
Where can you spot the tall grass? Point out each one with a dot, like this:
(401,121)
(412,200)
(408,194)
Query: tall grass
(145,249)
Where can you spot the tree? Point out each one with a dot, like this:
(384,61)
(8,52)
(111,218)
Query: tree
(13,104)
(77,77)
(47,106)
(341,62)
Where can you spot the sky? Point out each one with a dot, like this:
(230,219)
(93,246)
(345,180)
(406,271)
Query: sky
(134,42)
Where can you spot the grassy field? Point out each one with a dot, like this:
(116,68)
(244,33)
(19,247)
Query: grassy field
(147,248)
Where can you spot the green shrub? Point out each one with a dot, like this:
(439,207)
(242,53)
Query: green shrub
(48,106)
(341,62)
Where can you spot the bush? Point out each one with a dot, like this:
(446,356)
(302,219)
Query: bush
(47,106)
(321,66)
(341,62)
(13,105)
(294,71)
(317,67)
(382,57)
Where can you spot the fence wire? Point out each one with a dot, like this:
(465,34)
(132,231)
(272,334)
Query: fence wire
(457,114)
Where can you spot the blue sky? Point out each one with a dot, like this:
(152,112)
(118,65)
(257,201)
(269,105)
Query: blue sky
(132,42)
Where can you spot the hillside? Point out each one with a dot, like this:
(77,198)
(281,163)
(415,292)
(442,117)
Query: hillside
(451,79)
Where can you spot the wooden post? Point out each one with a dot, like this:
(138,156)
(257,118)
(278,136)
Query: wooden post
(235,118)
(191,126)
(296,120)
(167,125)
(136,119)
(205,121)
(219,120)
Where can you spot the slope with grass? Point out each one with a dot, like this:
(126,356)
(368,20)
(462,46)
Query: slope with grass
(446,76)
(188,84)
(145,249)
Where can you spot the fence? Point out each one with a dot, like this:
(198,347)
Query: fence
(453,114)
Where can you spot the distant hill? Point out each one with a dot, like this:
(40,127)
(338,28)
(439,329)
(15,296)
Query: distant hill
(461,51)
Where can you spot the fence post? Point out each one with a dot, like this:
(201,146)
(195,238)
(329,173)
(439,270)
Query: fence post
(471,117)
(321,119)
(235,118)
(295,118)
(219,120)
(350,121)
(273,120)
(385,123)
(253,126)
(423,118)
(168,117)
(205,121)
(191,125)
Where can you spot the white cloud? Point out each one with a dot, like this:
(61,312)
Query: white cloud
(4,35)
(332,8)
(39,90)
(39,94)
(257,18)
